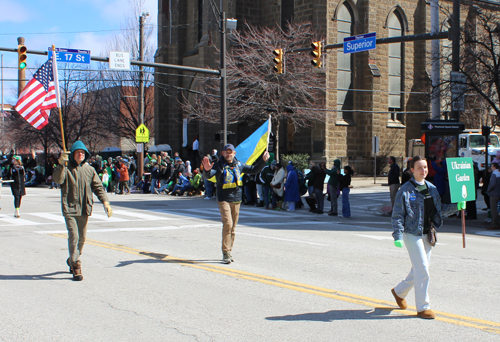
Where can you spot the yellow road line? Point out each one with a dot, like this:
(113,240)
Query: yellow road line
(470,322)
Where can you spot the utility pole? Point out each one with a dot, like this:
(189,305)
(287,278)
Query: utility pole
(223,79)
(21,72)
(140,155)
(436,67)
(455,49)
(2,112)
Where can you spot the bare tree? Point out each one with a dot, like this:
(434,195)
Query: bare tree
(254,90)
(480,63)
(122,95)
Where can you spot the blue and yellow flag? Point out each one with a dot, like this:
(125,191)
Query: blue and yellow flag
(252,147)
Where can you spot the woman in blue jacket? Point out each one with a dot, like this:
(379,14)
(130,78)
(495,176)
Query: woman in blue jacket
(292,194)
(418,207)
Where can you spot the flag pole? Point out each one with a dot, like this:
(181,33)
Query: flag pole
(268,132)
(58,95)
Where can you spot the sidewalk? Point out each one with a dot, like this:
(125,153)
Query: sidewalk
(482,215)
(368,182)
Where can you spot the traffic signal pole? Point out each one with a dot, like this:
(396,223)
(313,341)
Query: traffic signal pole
(223,79)
(21,72)
(140,155)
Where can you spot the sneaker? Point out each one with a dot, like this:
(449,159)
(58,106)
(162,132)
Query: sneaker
(226,258)
(208,198)
(488,220)
(157,191)
(77,271)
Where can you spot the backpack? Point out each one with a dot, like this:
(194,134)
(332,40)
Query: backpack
(302,182)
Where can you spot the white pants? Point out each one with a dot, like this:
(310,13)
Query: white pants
(419,250)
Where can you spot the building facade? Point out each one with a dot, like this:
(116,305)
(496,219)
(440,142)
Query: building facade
(383,92)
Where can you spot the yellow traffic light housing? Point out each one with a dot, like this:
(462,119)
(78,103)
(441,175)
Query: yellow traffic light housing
(21,52)
(278,60)
(316,53)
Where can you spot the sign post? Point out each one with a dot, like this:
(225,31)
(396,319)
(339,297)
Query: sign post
(462,186)
(375,150)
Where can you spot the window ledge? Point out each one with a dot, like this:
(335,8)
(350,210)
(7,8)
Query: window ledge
(395,124)
(342,122)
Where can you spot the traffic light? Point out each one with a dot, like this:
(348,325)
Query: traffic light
(485,131)
(21,51)
(316,53)
(278,60)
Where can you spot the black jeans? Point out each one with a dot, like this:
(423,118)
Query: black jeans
(17,201)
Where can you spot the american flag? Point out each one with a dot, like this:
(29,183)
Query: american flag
(38,97)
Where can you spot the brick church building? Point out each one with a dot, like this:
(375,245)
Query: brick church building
(382,92)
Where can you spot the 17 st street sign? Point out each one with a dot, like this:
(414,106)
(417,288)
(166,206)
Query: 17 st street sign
(359,43)
(71,55)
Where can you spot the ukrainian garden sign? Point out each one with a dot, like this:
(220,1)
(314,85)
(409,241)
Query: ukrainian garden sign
(461,178)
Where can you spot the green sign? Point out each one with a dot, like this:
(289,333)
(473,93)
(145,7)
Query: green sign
(461,178)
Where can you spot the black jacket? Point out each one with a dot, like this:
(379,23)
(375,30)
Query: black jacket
(232,195)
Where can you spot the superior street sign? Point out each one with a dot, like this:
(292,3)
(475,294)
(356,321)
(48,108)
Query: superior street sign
(362,42)
(71,55)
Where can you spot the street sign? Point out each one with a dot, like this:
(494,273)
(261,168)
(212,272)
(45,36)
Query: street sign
(140,147)
(142,134)
(362,42)
(458,89)
(119,60)
(71,55)
(375,145)
(461,179)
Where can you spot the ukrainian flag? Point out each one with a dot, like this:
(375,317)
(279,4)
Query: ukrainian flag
(252,147)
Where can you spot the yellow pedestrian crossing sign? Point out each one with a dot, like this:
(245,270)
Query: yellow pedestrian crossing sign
(142,134)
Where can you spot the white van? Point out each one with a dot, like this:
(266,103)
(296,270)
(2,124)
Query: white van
(472,145)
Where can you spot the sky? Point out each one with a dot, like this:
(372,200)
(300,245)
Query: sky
(81,24)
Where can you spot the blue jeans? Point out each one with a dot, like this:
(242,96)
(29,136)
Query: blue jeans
(154,182)
(320,199)
(267,194)
(346,207)
(209,191)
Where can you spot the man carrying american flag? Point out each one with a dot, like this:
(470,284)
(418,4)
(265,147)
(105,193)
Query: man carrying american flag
(39,96)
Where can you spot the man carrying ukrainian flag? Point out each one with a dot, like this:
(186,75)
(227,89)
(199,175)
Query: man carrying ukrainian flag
(228,172)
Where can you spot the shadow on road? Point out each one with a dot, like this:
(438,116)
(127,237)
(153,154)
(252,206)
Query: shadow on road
(46,276)
(338,315)
(162,258)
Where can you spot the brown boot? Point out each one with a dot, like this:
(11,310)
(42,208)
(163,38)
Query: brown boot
(70,268)
(400,301)
(427,314)
(77,271)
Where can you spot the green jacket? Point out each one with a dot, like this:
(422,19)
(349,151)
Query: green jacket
(195,181)
(78,182)
(267,175)
(333,173)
